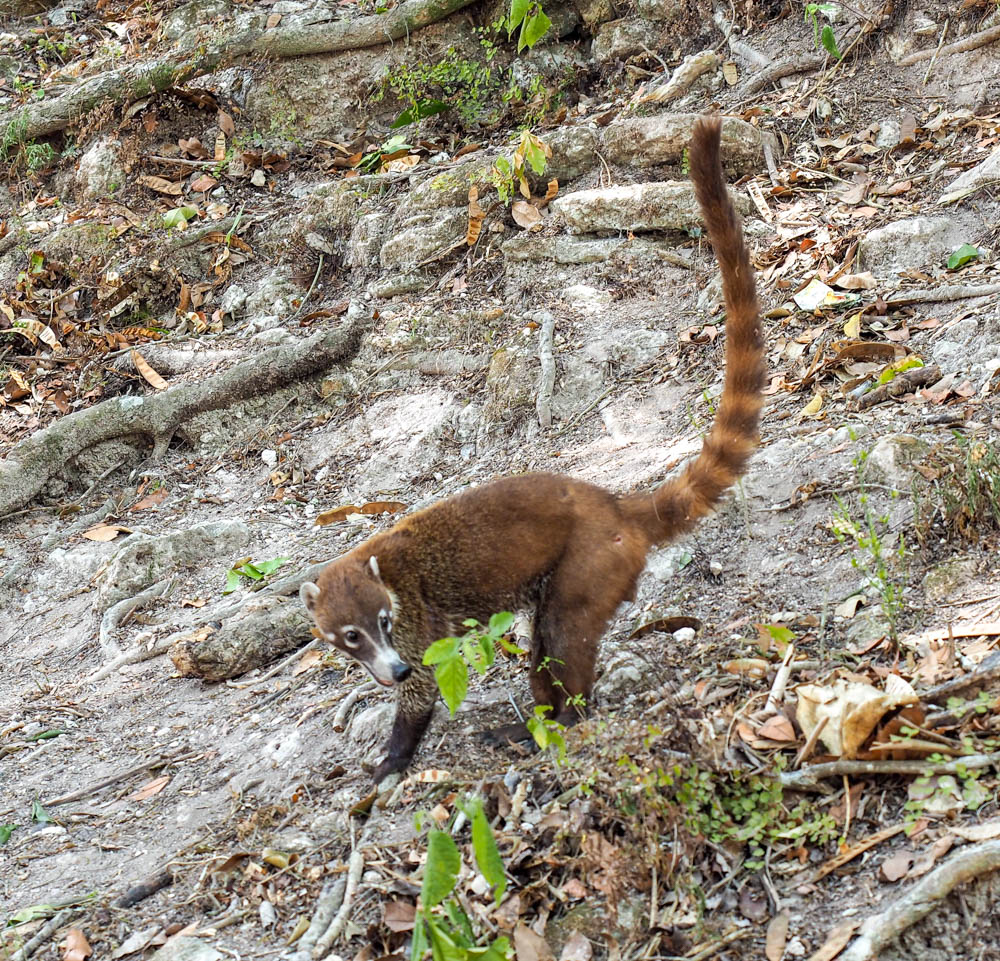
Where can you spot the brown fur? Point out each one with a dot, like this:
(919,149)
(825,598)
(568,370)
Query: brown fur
(570,549)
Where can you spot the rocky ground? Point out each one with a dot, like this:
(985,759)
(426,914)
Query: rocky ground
(865,531)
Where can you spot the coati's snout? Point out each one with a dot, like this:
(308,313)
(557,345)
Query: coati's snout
(355,615)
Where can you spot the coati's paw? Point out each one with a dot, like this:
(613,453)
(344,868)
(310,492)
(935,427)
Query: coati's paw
(517,735)
(393,764)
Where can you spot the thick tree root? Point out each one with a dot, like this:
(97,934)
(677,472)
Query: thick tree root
(294,39)
(881,929)
(38,458)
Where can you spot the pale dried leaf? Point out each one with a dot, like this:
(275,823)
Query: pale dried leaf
(150,788)
(529,946)
(76,947)
(895,867)
(105,532)
(149,375)
(525,215)
(777,935)
(577,948)
(160,185)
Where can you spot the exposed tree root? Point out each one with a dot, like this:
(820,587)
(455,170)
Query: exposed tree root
(881,929)
(297,38)
(811,778)
(960,46)
(42,455)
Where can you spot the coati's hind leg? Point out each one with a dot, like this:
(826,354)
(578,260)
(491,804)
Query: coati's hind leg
(414,706)
(569,625)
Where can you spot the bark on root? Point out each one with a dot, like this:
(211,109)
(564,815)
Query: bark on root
(38,458)
(135,81)
(881,929)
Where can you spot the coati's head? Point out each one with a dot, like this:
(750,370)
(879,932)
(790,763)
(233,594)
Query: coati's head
(352,609)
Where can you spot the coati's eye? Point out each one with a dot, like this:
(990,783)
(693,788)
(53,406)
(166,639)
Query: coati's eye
(385,622)
(351,638)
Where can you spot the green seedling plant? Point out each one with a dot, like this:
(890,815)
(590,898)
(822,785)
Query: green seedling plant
(964,255)
(476,648)
(530,20)
(510,174)
(254,571)
(441,924)
(874,557)
(823,37)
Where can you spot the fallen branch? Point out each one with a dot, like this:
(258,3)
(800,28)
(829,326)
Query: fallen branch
(278,668)
(296,38)
(360,691)
(33,461)
(903,383)
(938,295)
(330,899)
(547,378)
(883,928)
(354,872)
(115,614)
(987,670)
(136,656)
(760,79)
(42,935)
(150,764)
(810,777)
(959,46)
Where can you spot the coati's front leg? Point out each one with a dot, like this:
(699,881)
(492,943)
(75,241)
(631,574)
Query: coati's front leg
(414,706)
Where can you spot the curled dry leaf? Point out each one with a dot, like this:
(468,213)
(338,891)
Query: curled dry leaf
(525,215)
(777,728)
(852,708)
(76,947)
(105,532)
(476,217)
(337,514)
(149,375)
(161,186)
(399,915)
(150,788)
(777,935)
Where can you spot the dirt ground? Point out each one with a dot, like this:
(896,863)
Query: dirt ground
(244,795)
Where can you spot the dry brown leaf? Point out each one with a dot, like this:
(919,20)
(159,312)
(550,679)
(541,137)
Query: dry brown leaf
(476,217)
(926,861)
(529,946)
(667,625)
(747,666)
(895,867)
(308,660)
(986,831)
(76,947)
(149,375)
(525,215)
(204,183)
(35,330)
(150,788)
(777,728)
(865,281)
(336,514)
(577,948)
(103,533)
(777,935)
(399,915)
(551,189)
(161,186)
(574,888)
(226,124)
(836,941)
(151,500)
(273,19)
(730,73)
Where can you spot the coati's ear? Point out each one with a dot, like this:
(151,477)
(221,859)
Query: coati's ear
(309,593)
(373,564)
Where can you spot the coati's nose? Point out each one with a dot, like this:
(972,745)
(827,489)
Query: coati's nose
(401,671)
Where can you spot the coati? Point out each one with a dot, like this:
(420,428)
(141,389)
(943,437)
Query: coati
(570,549)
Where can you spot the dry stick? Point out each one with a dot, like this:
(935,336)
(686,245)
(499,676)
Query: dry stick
(943,294)
(45,932)
(810,777)
(547,378)
(777,71)
(807,748)
(114,615)
(340,718)
(930,66)
(777,692)
(147,765)
(330,899)
(960,46)
(136,656)
(878,931)
(987,670)
(295,39)
(33,461)
(354,871)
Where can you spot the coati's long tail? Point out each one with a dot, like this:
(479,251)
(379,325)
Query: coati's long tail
(677,505)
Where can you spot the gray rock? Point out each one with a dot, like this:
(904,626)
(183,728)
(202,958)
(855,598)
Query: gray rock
(366,240)
(671,10)
(562,249)
(233,300)
(943,580)
(574,152)
(100,172)
(654,205)
(193,15)
(623,38)
(774,471)
(624,673)
(423,237)
(144,559)
(661,139)
(891,461)
(912,243)
(187,949)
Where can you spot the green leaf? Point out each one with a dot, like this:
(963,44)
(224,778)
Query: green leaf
(501,623)
(440,871)
(269,567)
(499,950)
(39,814)
(419,946)
(779,634)
(36,260)
(532,30)
(442,650)
(484,846)
(179,215)
(33,913)
(251,571)
(6,830)
(461,927)
(829,10)
(452,678)
(518,11)
(46,735)
(232,581)
(962,256)
(829,42)
(424,108)
(443,948)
